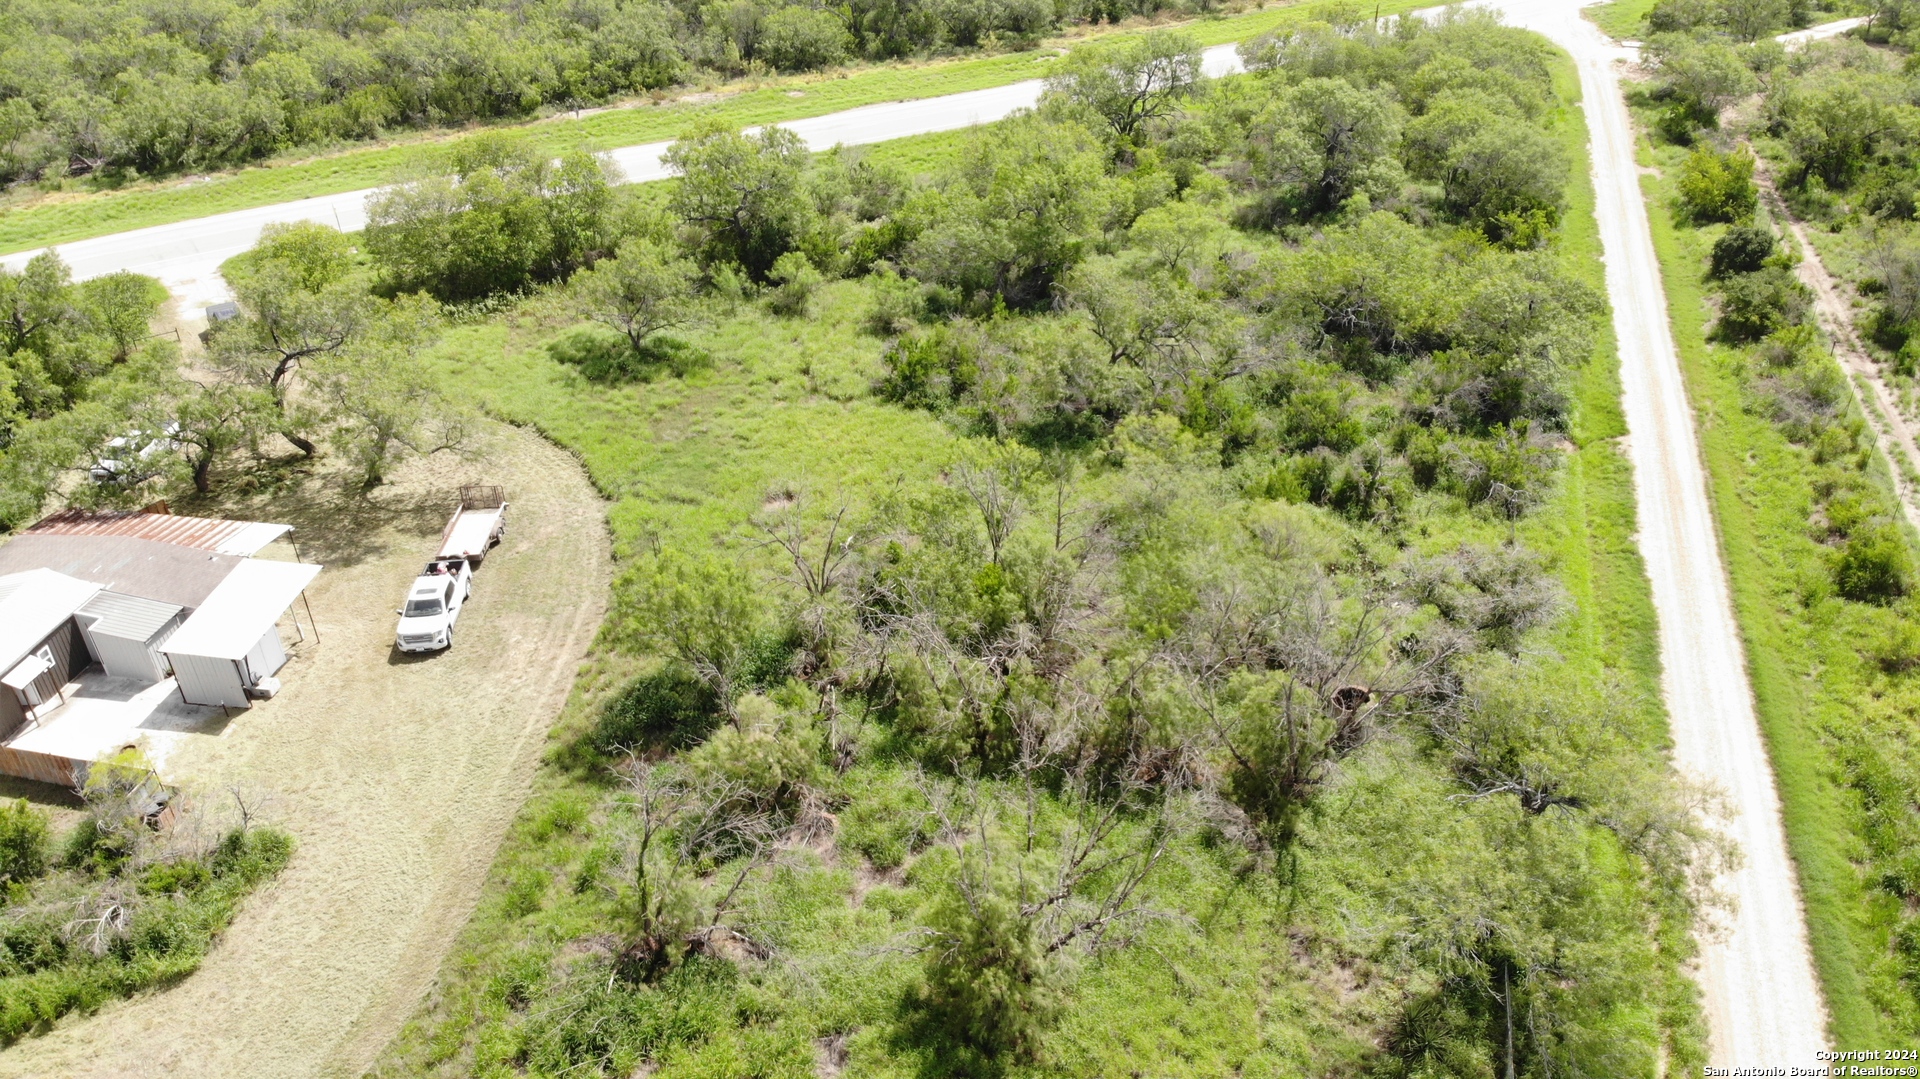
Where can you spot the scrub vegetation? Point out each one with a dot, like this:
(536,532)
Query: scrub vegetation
(129,899)
(1824,576)
(1147,587)
(63,205)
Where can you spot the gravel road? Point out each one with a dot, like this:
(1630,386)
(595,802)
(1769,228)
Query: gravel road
(1763,1003)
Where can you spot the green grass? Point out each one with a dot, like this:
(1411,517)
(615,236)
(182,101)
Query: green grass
(1624,20)
(1809,680)
(686,462)
(44,974)
(76,215)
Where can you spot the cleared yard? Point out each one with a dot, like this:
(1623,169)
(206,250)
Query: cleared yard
(398,776)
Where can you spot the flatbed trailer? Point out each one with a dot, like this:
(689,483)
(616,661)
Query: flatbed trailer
(478,523)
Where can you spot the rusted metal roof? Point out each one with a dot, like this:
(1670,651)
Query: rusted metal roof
(200,533)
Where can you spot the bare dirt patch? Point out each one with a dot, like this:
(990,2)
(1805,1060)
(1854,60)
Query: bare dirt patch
(397,775)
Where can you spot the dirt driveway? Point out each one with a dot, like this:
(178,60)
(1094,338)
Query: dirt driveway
(397,776)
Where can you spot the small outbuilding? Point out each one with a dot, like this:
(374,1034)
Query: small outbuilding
(125,633)
(227,651)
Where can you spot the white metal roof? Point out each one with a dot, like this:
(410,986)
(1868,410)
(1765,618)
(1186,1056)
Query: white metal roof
(128,617)
(241,610)
(32,605)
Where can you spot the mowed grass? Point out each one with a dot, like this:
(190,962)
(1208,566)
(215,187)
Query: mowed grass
(65,216)
(1810,682)
(786,403)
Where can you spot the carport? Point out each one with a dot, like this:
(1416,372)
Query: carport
(230,646)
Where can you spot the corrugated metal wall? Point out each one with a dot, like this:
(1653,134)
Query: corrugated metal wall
(125,658)
(204,680)
(267,656)
(70,656)
(43,767)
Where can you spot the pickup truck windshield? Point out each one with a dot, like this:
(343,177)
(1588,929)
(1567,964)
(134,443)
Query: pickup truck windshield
(420,608)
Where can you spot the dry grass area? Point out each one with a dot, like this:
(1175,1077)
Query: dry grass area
(397,775)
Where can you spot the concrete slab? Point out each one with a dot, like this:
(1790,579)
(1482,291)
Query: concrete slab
(103,714)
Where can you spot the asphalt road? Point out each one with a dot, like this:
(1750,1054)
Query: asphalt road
(186,255)
(1763,1002)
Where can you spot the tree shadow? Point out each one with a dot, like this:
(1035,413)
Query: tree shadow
(921,1035)
(335,522)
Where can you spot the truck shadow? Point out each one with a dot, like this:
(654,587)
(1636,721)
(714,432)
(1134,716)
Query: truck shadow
(397,658)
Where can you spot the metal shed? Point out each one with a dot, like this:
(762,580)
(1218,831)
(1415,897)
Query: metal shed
(230,644)
(125,634)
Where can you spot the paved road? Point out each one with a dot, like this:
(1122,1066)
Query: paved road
(186,255)
(1763,1003)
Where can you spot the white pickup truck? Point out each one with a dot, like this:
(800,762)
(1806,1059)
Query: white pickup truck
(436,596)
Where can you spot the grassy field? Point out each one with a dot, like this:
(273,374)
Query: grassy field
(786,405)
(1624,20)
(68,215)
(1818,697)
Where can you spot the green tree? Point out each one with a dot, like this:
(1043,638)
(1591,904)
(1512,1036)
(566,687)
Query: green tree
(380,398)
(207,422)
(499,216)
(1321,142)
(1130,83)
(744,194)
(1832,132)
(1701,76)
(1498,179)
(120,308)
(647,287)
(1019,212)
(283,328)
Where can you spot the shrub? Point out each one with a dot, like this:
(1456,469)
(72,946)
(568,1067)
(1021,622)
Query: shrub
(1742,249)
(886,822)
(670,709)
(795,283)
(1873,567)
(1717,187)
(1753,305)
(26,841)
(770,755)
(988,980)
(897,303)
(801,39)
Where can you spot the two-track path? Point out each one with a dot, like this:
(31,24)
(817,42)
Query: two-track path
(1763,1002)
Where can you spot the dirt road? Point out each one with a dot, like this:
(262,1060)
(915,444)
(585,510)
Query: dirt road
(1893,434)
(398,777)
(1763,1002)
